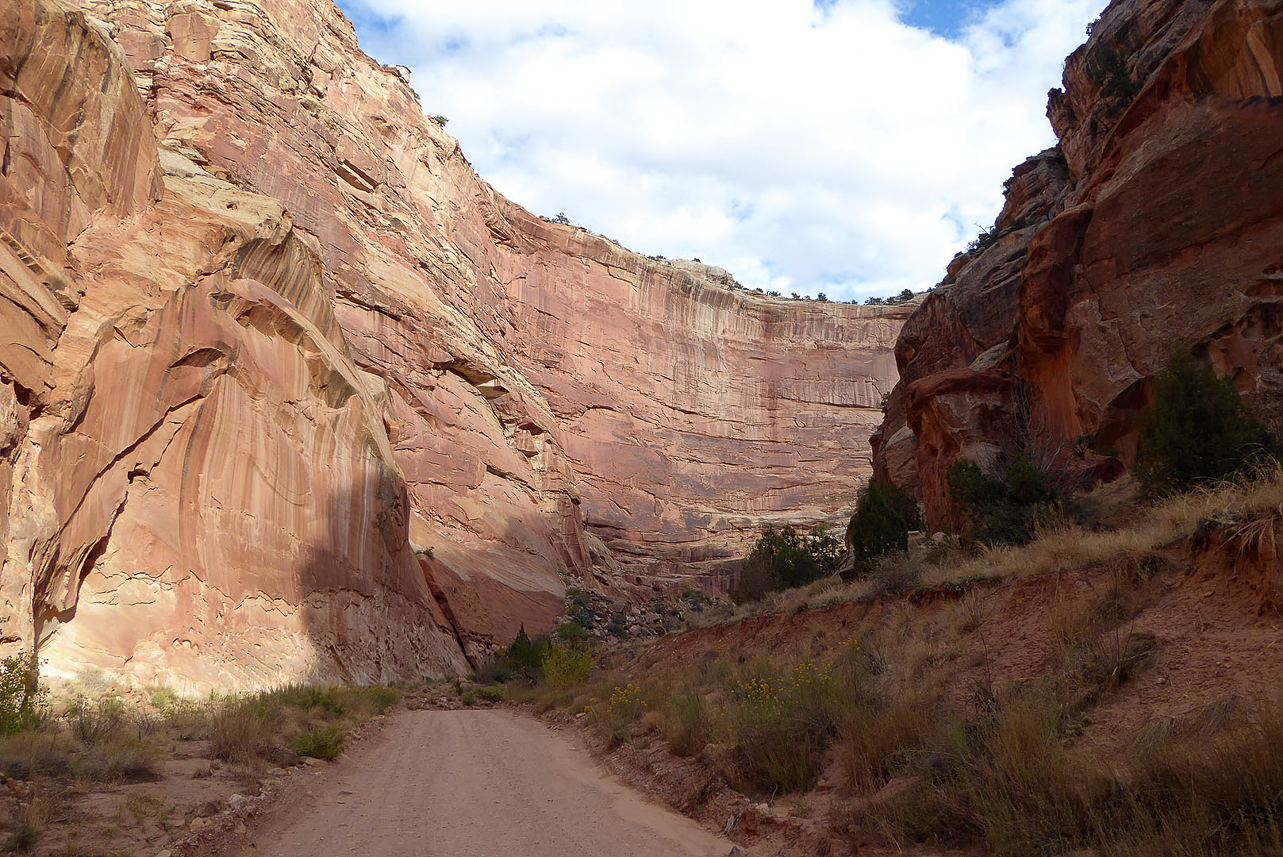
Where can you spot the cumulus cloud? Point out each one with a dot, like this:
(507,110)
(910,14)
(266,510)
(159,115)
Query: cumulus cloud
(805,147)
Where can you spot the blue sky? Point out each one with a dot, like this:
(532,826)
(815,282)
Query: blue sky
(946,17)
(850,147)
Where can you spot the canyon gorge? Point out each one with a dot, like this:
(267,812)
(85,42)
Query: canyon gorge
(287,392)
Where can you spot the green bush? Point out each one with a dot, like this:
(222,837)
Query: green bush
(22,698)
(320,742)
(881,522)
(780,726)
(1197,430)
(783,559)
(526,655)
(1001,511)
(826,549)
(490,693)
(241,733)
(565,666)
(1117,87)
(570,631)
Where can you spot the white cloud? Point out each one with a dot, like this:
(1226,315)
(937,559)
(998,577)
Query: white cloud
(805,149)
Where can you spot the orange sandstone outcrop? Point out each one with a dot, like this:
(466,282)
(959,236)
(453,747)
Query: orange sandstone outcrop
(287,391)
(1156,225)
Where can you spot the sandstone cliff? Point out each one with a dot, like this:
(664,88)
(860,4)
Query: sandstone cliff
(1156,224)
(287,391)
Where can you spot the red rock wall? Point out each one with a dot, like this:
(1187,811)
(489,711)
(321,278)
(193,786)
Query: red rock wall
(292,393)
(1161,229)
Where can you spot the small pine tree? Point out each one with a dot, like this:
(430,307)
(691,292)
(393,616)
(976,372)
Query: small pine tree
(526,654)
(826,549)
(881,522)
(1117,88)
(1197,430)
(781,559)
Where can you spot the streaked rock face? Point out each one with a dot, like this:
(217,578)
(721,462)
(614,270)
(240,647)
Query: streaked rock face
(1155,226)
(289,392)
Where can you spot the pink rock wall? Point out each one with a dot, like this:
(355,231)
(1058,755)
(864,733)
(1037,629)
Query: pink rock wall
(292,393)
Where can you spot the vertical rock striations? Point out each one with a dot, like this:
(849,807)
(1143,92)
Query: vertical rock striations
(1157,224)
(291,393)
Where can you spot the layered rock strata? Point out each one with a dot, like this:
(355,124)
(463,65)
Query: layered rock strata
(1155,225)
(291,393)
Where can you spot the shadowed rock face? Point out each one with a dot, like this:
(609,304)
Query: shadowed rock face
(291,393)
(1156,225)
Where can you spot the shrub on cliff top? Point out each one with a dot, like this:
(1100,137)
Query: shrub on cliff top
(1197,430)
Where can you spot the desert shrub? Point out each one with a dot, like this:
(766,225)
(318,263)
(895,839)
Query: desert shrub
(615,717)
(895,575)
(526,655)
(161,697)
(320,742)
(94,723)
(380,697)
(1001,511)
(1006,780)
(22,699)
(498,670)
(241,733)
(189,720)
(783,559)
(570,631)
(1010,781)
(23,839)
(1196,430)
(1117,86)
(490,693)
(877,738)
(986,239)
(881,522)
(686,722)
(131,757)
(566,666)
(780,727)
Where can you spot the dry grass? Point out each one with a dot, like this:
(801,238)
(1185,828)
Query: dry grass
(1249,509)
(105,741)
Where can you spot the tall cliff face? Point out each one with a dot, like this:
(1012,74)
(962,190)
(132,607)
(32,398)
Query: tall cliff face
(293,393)
(1156,225)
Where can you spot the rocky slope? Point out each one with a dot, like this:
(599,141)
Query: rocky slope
(291,393)
(1156,224)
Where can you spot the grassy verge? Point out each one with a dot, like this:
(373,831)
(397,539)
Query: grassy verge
(930,743)
(98,740)
(1246,508)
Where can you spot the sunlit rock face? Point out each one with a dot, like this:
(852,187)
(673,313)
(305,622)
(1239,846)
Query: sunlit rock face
(1156,225)
(287,392)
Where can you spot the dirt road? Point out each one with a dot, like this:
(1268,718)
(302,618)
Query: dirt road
(478,784)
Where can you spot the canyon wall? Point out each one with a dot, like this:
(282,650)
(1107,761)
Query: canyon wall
(1155,225)
(287,392)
